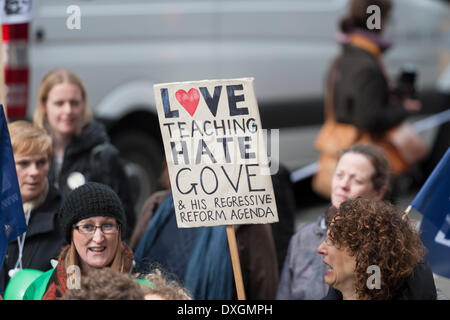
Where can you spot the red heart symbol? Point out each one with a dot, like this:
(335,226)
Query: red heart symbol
(189,100)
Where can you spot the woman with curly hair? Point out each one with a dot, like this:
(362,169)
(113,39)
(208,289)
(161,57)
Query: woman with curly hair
(366,233)
(361,171)
(163,288)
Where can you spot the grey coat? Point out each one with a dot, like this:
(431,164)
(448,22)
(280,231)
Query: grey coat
(303,269)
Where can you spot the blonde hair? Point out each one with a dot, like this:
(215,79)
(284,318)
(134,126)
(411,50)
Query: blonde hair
(53,78)
(164,288)
(28,139)
(71,257)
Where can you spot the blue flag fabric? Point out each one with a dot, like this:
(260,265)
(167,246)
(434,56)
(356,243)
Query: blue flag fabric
(12,217)
(433,201)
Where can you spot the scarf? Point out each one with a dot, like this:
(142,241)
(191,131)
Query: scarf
(374,37)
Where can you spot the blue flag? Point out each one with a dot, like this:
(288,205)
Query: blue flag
(12,217)
(433,201)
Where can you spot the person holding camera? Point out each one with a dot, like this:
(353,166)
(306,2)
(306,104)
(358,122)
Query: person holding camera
(360,107)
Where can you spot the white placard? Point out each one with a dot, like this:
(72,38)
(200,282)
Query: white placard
(215,152)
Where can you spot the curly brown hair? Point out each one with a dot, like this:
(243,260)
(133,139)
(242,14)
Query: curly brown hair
(377,233)
(106,284)
(163,287)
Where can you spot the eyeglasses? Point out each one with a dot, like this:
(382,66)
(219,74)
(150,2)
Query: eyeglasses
(107,228)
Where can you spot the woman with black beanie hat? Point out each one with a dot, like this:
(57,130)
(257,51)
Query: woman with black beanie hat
(93,223)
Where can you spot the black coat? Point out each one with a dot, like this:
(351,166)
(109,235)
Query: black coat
(92,155)
(418,286)
(43,240)
(361,94)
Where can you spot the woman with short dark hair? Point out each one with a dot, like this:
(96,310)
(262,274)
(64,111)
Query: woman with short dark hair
(361,171)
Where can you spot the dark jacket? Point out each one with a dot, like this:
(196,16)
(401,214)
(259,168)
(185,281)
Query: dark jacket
(283,230)
(258,261)
(303,269)
(92,155)
(361,94)
(418,286)
(43,240)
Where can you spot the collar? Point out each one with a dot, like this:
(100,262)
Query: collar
(93,134)
(364,43)
(321,227)
(39,200)
(42,218)
(368,41)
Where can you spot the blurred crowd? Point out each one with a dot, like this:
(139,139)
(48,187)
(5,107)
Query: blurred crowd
(83,240)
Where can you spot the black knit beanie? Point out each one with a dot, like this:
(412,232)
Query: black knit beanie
(90,200)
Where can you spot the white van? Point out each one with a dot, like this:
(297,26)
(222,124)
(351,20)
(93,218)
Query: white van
(122,48)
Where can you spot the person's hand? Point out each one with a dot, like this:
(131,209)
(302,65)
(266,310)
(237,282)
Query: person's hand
(412,105)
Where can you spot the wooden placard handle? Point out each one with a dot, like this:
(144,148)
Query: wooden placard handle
(235,262)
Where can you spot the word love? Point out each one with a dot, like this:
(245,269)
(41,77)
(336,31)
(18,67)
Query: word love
(190,100)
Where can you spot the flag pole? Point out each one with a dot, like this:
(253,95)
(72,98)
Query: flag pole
(2,75)
(407,211)
(231,235)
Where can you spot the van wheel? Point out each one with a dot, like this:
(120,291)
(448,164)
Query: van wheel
(142,156)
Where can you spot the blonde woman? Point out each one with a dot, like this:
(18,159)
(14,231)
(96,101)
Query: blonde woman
(42,241)
(81,148)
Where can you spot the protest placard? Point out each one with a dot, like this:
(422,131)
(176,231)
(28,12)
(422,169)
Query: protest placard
(215,151)
(216,157)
